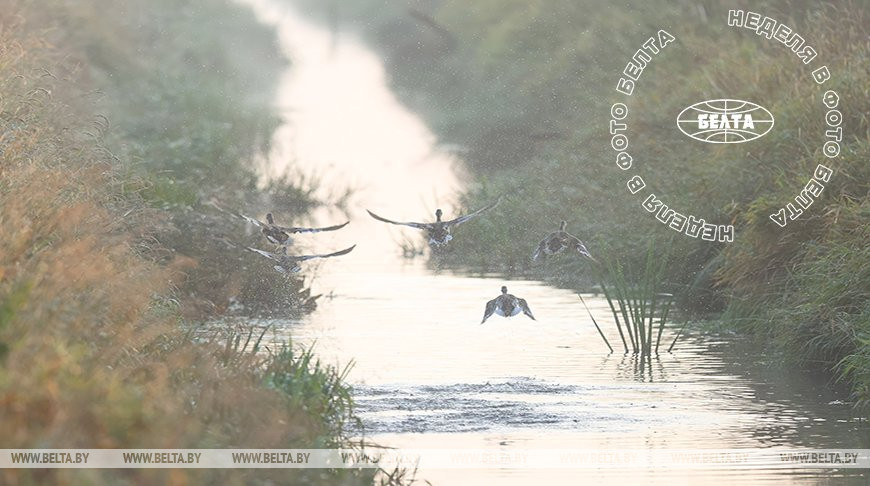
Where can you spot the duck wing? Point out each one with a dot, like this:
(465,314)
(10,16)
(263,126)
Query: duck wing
(325,255)
(579,247)
(293,229)
(525,307)
(462,219)
(253,221)
(490,309)
(271,256)
(539,251)
(385,220)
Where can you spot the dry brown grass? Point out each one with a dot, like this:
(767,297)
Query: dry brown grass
(92,353)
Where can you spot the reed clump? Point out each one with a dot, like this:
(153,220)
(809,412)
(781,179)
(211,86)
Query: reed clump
(638,301)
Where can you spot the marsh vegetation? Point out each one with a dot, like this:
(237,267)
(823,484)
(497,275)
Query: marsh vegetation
(526,88)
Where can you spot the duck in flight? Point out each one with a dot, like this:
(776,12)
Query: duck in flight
(290,263)
(558,241)
(438,231)
(277,235)
(280,235)
(506,305)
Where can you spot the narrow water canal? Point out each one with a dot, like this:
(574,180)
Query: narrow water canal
(427,375)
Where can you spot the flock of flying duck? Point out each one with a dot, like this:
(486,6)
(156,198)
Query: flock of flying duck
(438,233)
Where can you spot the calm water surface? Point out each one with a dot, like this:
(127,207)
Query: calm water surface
(427,375)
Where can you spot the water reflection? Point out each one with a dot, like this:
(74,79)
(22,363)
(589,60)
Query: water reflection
(641,367)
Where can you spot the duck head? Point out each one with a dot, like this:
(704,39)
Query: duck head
(269,218)
(438,214)
(563,225)
(503,289)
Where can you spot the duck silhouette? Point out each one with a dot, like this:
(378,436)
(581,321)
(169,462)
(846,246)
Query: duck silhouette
(506,305)
(438,231)
(290,263)
(559,241)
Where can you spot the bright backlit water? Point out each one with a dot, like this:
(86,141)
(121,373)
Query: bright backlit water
(427,375)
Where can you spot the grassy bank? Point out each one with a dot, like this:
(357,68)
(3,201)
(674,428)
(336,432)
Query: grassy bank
(182,92)
(118,121)
(527,88)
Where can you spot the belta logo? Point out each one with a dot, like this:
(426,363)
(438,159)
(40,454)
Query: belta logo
(725,121)
(722,121)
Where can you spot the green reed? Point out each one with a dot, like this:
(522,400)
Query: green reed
(638,301)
